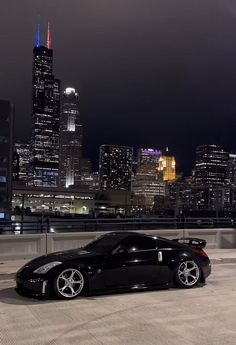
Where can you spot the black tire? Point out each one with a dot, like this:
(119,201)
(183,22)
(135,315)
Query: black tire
(187,274)
(69,283)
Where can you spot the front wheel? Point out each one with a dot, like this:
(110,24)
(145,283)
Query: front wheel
(187,274)
(69,283)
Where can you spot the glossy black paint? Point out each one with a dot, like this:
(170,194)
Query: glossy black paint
(117,265)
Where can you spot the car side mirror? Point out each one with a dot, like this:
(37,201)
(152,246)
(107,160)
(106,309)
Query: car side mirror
(120,250)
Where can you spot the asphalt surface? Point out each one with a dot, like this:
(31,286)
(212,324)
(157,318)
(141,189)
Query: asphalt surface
(203,315)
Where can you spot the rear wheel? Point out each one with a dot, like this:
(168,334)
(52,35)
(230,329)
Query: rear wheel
(69,283)
(188,274)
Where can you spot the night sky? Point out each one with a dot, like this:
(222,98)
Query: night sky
(150,73)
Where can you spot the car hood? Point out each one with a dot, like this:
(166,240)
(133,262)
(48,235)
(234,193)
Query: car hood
(62,256)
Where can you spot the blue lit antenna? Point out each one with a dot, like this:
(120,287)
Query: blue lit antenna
(38,43)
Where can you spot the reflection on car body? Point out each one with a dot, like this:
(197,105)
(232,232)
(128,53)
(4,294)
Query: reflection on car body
(117,261)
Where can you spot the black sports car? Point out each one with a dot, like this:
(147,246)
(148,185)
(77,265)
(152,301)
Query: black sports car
(117,261)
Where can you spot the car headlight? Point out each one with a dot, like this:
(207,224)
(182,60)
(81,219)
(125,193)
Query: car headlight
(45,268)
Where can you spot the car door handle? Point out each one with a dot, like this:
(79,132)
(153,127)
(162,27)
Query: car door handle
(160,257)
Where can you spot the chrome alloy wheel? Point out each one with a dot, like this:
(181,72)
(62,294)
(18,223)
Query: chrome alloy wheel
(70,283)
(188,273)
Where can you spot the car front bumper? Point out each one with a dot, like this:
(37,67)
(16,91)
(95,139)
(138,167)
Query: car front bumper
(32,286)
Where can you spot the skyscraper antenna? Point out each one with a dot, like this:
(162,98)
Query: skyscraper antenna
(49,42)
(37,38)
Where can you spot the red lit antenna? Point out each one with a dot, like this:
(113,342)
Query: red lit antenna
(49,42)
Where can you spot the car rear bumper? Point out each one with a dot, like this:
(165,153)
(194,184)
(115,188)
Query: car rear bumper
(206,269)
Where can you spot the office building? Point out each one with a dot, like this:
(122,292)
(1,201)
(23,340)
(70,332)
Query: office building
(148,186)
(6,157)
(89,178)
(148,160)
(22,151)
(211,168)
(70,139)
(44,145)
(167,166)
(147,182)
(115,167)
(232,170)
(53,201)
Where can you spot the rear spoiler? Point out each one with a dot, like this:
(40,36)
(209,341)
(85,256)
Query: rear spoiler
(192,242)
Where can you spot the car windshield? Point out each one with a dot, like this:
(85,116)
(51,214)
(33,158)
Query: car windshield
(102,244)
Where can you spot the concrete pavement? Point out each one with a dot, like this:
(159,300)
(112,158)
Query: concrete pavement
(203,315)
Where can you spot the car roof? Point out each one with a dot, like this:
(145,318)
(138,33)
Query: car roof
(120,235)
(123,234)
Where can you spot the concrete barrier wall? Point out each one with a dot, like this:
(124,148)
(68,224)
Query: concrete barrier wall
(30,246)
(22,246)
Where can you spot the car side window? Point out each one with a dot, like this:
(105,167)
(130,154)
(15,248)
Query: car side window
(164,244)
(137,243)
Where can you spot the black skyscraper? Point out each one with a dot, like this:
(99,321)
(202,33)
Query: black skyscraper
(115,167)
(70,139)
(6,157)
(45,117)
(211,165)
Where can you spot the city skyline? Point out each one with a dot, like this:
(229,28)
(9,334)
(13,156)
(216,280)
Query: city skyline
(181,102)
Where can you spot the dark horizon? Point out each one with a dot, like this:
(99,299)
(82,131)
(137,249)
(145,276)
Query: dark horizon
(148,74)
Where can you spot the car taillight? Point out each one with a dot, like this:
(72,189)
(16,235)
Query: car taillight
(200,251)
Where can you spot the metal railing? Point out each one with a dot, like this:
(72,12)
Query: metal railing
(50,225)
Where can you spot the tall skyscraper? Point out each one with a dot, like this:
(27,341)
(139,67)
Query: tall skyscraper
(6,157)
(148,160)
(45,116)
(211,166)
(148,181)
(167,167)
(115,167)
(70,139)
(232,169)
(23,152)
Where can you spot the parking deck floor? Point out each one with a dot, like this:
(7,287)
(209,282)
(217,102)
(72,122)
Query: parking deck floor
(204,315)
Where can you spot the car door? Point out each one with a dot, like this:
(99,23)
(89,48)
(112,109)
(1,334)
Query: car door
(133,262)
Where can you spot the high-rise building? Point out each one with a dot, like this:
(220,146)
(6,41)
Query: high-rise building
(148,156)
(23,152)
(232,169)
(6,157)
(45,117)
(115,167)
(148,160)
(147,182)
(15,166)
(211,166)
(167,167)
(148,186)
(70,139)
(87,176)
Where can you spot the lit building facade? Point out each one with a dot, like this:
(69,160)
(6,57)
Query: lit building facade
(232,169)
(44,145)
(147,182)
(89,178)
(211,166)
(148,160)
(6,157)
(58,200)
(23,152)
(167,166)
(70,139)
(115,167)
(148,186)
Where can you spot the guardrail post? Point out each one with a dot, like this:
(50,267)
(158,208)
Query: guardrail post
(48,224)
